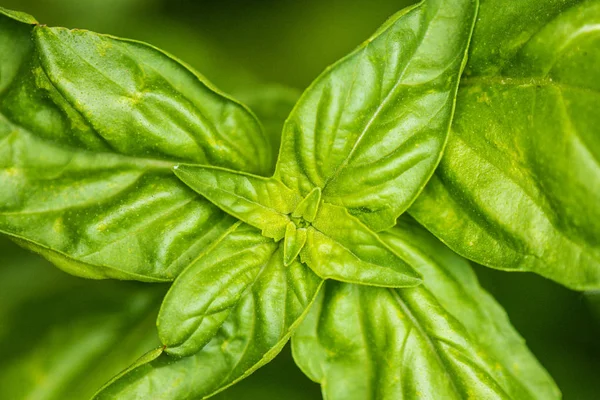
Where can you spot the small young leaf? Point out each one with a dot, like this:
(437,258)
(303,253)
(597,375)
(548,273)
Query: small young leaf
(370,130)
(446,339)
(18,16)
(294,241)
(90,127)
(204,295)
(308,207)
(261,202)
(340,247)
(254,332)
(519,186)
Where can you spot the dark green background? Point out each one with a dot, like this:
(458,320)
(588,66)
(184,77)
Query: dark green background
(239,44)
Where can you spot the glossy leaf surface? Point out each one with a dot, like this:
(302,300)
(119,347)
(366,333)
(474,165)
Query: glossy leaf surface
(253,333)
(339,246)
(308,208)
(335,244)
(370,130)
(90,127)
(144,103)
(446,339)
(203,296)
(233,309)
(261,202)
(519,185)
(294,241)
(18,16)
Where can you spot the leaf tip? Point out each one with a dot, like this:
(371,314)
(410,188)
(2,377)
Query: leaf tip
(19,16)
(178,351)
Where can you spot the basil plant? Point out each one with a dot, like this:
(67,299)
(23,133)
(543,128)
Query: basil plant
(458,131)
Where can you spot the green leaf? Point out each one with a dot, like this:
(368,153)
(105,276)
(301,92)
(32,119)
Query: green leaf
(340,247)
(519,186)
(261,202)
(15,43)
(205,294)
(98,215)
(144,103)
(370,130)
(309,206)
(333,243)
(294,241)
(254,332)
(18,16)
(454,284)
(67,336)
(90,128)
(445,339)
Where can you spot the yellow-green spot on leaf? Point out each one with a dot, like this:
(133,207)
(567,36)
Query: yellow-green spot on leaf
(11,171)
(483,98)
(102,227)
(59,225)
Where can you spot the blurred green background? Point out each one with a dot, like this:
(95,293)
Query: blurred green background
(238,44)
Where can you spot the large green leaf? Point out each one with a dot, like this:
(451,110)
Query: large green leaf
(204,295)
(519,185)
(370,130)
(90,127)
(66,336)
(255,330)
(446,339)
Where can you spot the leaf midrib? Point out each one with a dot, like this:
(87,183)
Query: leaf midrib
(421,330)
(380,107)
(504,80)
(382,246)
(141,162)
(234,194)
(136,276)
(471,293)
(544,209)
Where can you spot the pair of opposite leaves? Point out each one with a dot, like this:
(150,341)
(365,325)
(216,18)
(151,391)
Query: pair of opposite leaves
(356,150)
(371,180)
(358,147)
(62,99)
(47,77)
